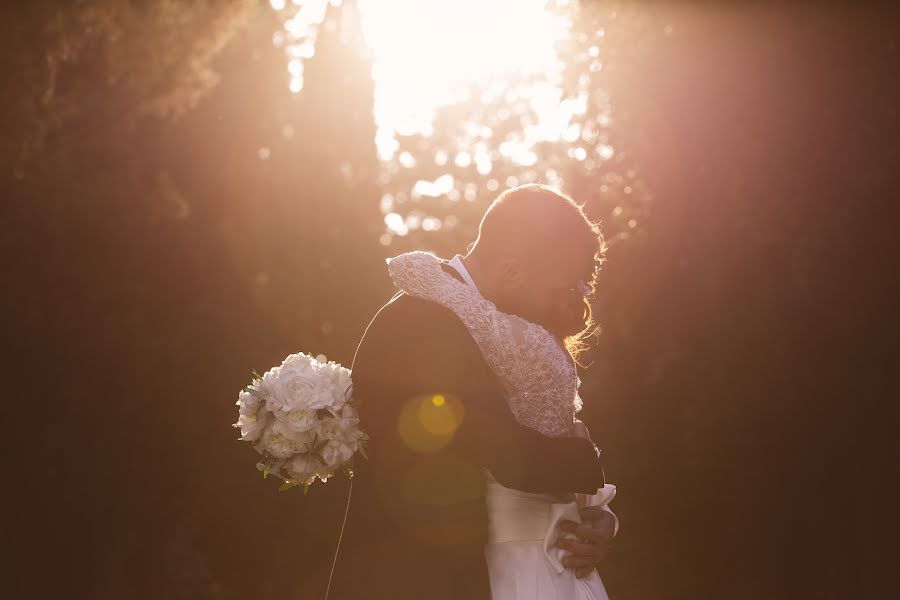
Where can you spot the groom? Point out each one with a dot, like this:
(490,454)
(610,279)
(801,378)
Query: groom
(436,416)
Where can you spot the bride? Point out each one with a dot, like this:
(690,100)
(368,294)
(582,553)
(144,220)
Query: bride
(526,541)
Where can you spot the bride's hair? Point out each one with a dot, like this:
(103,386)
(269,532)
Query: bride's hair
(524,221)
(577,344)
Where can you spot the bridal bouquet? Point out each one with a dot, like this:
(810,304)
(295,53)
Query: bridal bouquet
(300,417)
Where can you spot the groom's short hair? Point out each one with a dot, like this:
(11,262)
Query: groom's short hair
(525,220)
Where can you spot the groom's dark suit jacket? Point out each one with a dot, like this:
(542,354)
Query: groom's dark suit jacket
(417,521)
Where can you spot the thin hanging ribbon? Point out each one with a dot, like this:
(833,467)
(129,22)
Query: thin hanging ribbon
(340,537)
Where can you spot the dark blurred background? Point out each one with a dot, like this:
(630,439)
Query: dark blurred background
(177,211)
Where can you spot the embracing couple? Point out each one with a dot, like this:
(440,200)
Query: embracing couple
(481,483)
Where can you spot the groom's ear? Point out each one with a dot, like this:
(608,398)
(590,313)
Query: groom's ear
(512,272)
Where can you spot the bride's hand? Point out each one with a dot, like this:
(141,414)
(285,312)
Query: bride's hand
(580,430)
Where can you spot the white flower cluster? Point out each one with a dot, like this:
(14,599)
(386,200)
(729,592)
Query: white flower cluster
(300,416)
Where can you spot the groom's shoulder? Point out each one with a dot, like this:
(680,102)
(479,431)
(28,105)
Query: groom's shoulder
(409,312)
(427,323)
(418,335)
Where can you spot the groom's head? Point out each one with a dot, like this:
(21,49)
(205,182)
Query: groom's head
(537,254)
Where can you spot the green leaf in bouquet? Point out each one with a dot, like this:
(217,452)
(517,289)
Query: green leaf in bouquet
(255,374)
(305,487)
(287,485)
(256,393)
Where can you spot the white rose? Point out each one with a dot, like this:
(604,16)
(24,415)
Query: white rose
(248,402)
(299,419)
(336,454)
(347,424)
(249,426)
(300,384)
(252,425)
(278,445)
(300,439)
(342,382)
(330,431)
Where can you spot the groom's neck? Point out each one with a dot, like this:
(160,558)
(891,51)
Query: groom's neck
(482,274)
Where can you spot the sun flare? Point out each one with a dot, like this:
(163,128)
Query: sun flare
(432,54)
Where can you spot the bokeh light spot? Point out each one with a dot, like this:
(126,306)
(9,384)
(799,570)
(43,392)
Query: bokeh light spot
(428,423)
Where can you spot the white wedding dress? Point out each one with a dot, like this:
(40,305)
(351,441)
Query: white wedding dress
(541,385)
